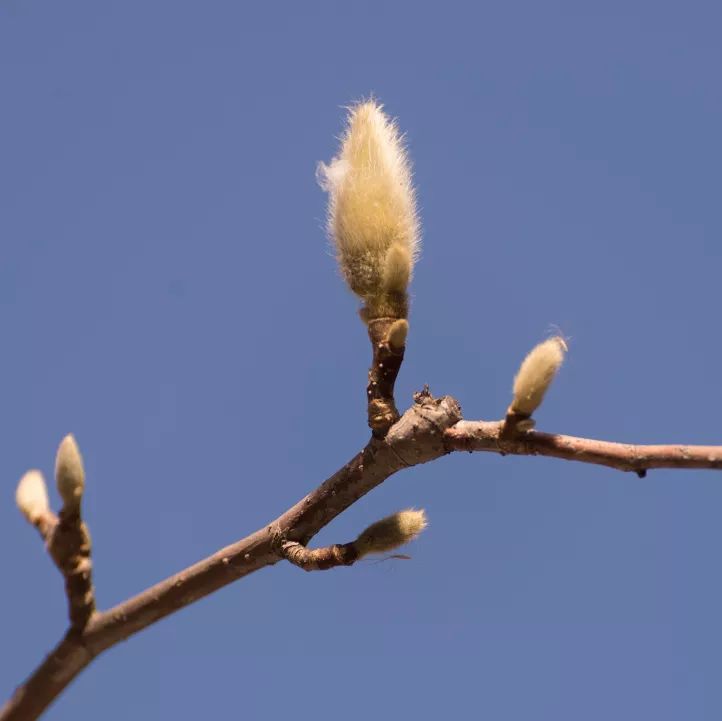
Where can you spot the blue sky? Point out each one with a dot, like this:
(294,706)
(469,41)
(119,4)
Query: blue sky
(167,294)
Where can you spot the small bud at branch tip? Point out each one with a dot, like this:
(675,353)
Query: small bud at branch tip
(69,472)
(535,375)
(372,216)
(32,496)
(391,532)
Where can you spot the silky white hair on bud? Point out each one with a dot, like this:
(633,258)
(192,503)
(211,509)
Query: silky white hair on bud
(69,472)
(391,532)
(397,269)
(372,204)
(535,375)
(32,496)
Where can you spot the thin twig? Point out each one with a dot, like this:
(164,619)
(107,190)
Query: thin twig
(319,559)
(489,436)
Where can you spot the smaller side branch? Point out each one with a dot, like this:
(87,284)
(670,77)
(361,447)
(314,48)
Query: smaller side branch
(66,536)
(490,436)
(382,536)
(319,559)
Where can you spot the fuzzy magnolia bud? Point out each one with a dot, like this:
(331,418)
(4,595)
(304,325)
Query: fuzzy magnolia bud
(32,496)
(372,206)
(391,532)
(535,375)
(69,473)
(397,333)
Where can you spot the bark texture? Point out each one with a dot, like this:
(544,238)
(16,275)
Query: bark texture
(492,436)
(385,365)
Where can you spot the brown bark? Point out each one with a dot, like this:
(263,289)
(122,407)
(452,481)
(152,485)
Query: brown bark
(491,436)
(46,683)
(385,365)
(319,559)
(69,547)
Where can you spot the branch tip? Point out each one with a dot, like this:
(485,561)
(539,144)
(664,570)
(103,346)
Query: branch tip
(531,383)
(69,472)
(391,532)
(31,497)
(372,216)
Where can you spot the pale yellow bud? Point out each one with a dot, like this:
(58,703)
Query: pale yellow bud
(32,496)
(397,269)
(397,333)
(391,532)
(372,205)
(535,375)
(69,473)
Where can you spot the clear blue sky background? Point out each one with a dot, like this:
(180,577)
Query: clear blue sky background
(168,295)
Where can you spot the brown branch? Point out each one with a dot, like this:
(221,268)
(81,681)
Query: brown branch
(319,559)
(490,436)
(48,681)
(68,543)
(69,547)
(428,430)
(415,439)
(385,365)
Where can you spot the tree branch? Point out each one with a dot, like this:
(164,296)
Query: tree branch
(67,541)
(385,366)
(319,559)
(69,547)
(430,429)
(490,436)
(48,681)
(415,439)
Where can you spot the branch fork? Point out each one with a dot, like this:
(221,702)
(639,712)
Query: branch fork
(374,224)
